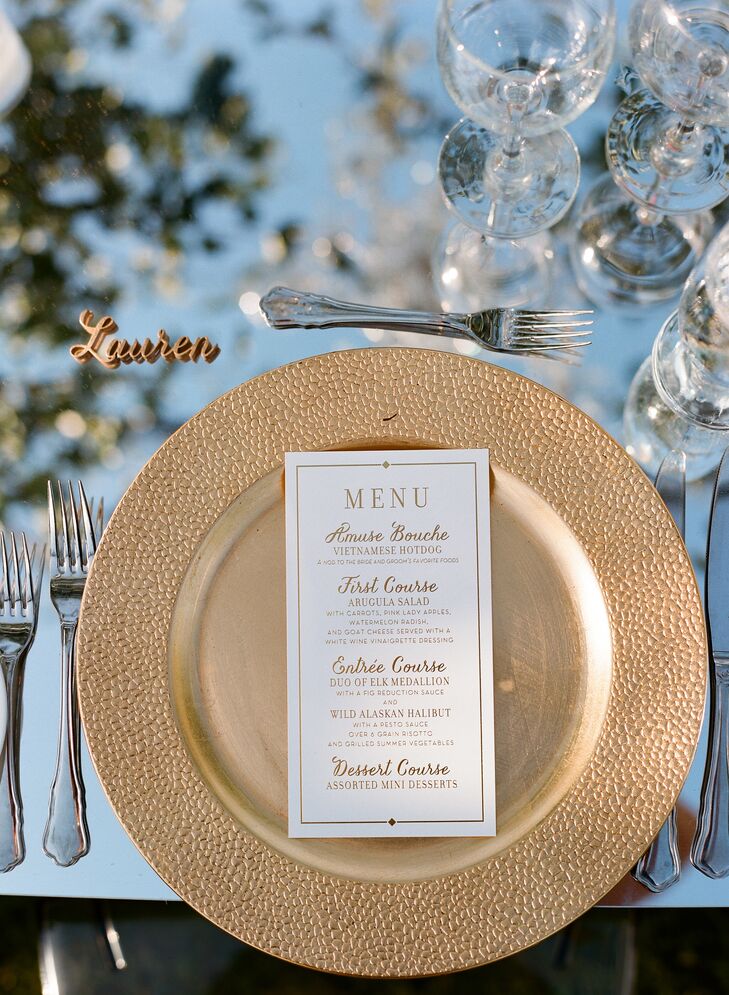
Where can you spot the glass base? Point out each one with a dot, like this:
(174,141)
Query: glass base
(472,271)
(690,379)
(676,402)
(623,254)
(652,429)
(668,174)
(508,200)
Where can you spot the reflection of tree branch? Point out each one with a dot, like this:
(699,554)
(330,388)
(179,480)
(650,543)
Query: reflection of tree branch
(271,25)
(381,129)
(78,158)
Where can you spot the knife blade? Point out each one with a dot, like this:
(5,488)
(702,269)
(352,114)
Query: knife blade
(717,564)
(710,848)
(660,865)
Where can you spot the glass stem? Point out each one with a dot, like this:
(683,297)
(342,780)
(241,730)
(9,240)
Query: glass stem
(512,167)
(647,216)
(676,150)
(673,154)
(507,169)
(681,133)
(514,144)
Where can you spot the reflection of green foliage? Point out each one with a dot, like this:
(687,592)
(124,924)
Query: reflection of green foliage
(60,180)
(400,112)
(271,25)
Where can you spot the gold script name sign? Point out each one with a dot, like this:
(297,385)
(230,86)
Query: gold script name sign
(116,351)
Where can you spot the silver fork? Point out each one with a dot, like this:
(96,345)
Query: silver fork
(496,329)
(72,549)
(21,584)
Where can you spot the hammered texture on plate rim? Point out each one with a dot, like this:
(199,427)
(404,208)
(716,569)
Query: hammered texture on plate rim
(541,882)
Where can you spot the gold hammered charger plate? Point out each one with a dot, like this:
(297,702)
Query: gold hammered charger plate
(599,669)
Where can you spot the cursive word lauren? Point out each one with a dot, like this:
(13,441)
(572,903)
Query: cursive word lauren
(111,354)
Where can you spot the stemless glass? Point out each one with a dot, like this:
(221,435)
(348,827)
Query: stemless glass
(667,148)
(519,70)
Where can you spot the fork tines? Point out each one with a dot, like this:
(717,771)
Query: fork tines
(72,534)
(551,330)
(18,594)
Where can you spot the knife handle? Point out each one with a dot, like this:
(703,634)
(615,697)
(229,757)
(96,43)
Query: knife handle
(710,848)
(660,865)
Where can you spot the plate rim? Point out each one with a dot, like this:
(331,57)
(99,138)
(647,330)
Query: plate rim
(335,957)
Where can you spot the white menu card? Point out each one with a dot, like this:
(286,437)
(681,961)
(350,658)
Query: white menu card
(390,686)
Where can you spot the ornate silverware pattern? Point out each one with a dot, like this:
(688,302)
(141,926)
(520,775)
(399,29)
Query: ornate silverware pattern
(497,329)
(21,583)
(72,548)
(710,848)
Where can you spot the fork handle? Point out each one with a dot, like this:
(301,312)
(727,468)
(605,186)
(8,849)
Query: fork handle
(12,843)
(710,848)
(285,308)
(66,836)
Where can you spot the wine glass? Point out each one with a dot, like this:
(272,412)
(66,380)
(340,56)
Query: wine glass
(667,147)
(703,311)
(519,70)
(624,253)
(472,270)
(680,395)
(668,153)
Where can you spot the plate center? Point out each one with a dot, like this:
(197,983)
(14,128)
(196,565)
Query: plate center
(552,665)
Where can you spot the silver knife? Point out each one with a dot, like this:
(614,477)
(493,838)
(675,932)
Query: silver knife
(660,865)
(710,848)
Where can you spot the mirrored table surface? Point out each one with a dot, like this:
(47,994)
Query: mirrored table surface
(169,163)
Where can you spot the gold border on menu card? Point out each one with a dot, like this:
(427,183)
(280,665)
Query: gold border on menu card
(384,822)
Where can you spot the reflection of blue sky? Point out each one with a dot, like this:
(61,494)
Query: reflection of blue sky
(314,89)
(305,92)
